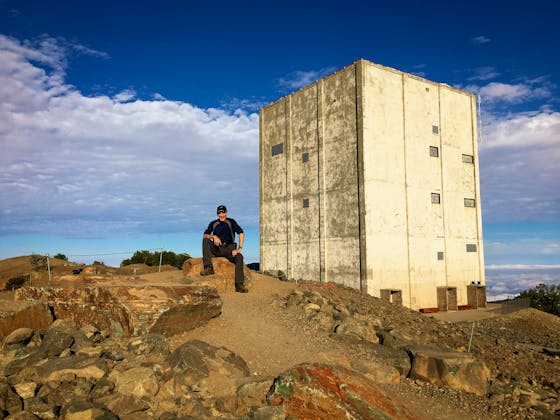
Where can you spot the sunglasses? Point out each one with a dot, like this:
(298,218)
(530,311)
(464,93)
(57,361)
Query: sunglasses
(221,212)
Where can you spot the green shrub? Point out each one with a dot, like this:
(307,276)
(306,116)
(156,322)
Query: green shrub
(16,282)
(152,258)
(545,297)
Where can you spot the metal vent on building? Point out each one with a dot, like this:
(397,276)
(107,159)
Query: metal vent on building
(440,256)
(277,149)
(471,247)
(469,202)
(434,151)
(435,198)
(435,129)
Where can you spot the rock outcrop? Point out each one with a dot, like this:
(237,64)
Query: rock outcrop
(130,310)
(223,279)
(32,314)
(460,371)
(75,373)
(313,391)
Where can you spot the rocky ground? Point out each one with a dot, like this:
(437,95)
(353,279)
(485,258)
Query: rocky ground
(287,350)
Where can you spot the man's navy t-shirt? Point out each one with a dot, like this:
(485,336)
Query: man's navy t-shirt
(222,230)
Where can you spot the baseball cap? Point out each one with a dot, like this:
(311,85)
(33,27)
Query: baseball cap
(221,208)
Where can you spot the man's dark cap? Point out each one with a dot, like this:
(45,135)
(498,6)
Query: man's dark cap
(221,208)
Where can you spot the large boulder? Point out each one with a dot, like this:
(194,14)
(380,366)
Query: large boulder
(456,370)
(312,391)
(24,314)
(223,278)
(211,371)
(131,310)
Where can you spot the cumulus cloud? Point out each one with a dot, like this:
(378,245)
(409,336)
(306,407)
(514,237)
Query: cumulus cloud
(99,165)
(299,79)
(519,157)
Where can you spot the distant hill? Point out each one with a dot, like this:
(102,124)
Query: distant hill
(34,267)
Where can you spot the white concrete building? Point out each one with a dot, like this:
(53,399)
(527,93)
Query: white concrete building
(369,178)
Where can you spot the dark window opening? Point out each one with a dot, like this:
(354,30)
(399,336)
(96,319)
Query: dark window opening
(434,151)
(435,198)
(435,129)
(469,202)
(305,202)
(468,158)
(305,157)
(277,149)
(471,247)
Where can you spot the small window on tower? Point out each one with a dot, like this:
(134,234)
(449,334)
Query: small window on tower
(468,158)
(434,151)
(435,129)
(305,203)
(435,198)
(305,157)
(277,149)
(469,202)
(440,256)
(471,247)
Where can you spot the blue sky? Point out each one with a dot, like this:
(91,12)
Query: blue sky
(123,124)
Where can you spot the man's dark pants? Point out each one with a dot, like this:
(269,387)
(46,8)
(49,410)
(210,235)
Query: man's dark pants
(209,250)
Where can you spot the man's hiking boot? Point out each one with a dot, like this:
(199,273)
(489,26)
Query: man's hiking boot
(208,271)
(241,289)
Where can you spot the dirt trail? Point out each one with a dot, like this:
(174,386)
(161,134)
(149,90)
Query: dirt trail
(262,333)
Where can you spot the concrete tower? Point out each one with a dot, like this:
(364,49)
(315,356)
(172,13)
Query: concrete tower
(369,178)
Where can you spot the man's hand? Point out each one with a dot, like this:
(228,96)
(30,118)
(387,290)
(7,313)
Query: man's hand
(217,240)
(235,252)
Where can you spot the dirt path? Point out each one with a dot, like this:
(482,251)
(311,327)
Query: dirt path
(262,333)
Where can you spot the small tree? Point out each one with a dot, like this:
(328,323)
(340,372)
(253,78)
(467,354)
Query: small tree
(60,256)
(545,297)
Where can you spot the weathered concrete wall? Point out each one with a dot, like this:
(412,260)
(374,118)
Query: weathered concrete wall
(357,209)
(309,200)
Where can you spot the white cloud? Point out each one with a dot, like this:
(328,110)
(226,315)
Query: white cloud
(299,79)
(484,73)
(507,281)
(92,166)
(125,95)
(481,39)
(508,93)
(519,157)
(522,266)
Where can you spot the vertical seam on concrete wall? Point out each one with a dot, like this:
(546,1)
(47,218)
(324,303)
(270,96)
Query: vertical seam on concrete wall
(323,221)
(406,192)
(443,198)
(261,157)
(286,128)
(476,176)
(319,212)
(359,86)
(291,187)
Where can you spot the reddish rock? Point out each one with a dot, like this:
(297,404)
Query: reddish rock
(130,310)
(223,279)
(312,391)
(24,314)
